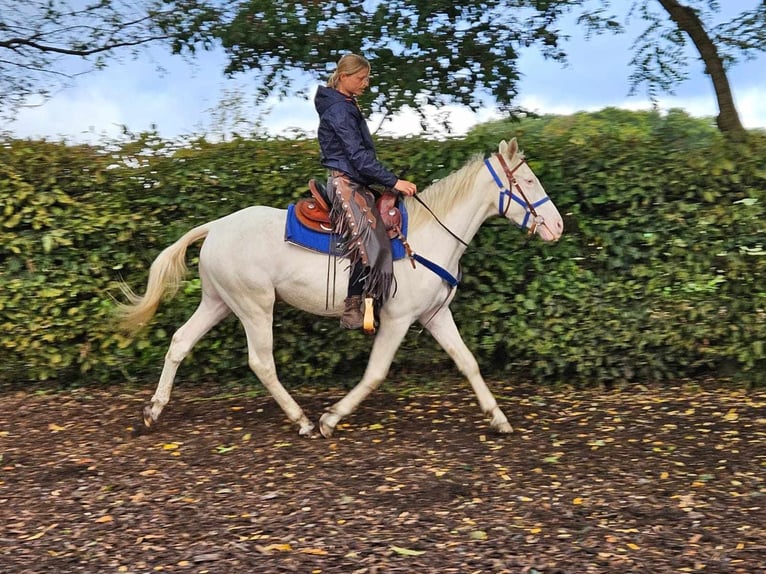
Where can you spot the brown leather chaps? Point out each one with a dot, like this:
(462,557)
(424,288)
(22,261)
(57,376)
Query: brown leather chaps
(356,219)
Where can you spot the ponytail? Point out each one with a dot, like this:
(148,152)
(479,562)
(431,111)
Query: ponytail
(332,82)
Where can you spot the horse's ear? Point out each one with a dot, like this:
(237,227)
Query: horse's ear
(509,149)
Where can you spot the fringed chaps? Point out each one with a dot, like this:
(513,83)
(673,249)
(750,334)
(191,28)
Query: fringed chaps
(357,221)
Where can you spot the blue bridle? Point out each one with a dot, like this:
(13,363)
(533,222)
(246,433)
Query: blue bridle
(506,196)
(504,200)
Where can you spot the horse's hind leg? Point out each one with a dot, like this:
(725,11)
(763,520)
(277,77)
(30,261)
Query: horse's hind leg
(442,327)
(210,312)
(258,325)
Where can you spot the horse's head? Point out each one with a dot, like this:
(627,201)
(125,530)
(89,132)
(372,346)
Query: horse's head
(522,198)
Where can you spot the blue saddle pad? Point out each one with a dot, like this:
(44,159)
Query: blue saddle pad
(298,234)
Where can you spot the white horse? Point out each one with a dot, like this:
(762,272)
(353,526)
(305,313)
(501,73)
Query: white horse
(245,265)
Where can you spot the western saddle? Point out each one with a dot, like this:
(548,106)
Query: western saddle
(314,212)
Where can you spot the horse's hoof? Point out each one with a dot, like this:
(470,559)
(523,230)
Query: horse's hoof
(504,428)
(146,423)
(326,426)
(307,430)
(499,422)
(147,416)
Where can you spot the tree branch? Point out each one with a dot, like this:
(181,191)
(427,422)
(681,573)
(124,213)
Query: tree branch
(15,43)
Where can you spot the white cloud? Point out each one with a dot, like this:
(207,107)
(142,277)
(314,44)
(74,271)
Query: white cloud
(459,118)
(76,117)
(751,103)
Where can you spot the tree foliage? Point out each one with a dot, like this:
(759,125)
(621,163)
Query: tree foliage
(660,59)
(440,52)
(39,39)
(434,52)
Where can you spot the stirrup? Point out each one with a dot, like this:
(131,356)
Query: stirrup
(368,324)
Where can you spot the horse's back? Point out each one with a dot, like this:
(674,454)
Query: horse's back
(236,241)
(247,225)
(252,216)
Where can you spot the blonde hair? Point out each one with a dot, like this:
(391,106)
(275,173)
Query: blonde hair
(349,65)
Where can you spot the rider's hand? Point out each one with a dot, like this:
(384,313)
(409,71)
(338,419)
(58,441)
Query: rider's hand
(405,187)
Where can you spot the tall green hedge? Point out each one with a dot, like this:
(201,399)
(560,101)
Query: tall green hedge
(659,276)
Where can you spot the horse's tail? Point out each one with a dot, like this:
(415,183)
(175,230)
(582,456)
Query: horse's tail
(165,276)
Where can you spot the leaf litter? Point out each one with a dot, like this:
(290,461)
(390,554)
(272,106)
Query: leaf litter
(648,480)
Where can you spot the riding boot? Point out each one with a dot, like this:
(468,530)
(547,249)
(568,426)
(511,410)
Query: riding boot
(352,317)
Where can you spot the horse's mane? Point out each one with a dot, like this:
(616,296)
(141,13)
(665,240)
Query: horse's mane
(442,194)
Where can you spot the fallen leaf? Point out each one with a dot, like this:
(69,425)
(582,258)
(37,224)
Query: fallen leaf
(278,548)
(406,551)
(104,519)
(314,551)
(42,532)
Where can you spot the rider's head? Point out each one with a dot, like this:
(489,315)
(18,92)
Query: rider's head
(352,75)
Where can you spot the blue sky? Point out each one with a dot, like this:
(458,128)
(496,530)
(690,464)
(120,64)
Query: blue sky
(182,101)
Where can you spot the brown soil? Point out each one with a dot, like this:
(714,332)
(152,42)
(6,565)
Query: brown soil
(646,480)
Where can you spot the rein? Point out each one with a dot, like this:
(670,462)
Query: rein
(447,229)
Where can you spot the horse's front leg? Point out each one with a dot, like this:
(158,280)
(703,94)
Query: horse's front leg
(387,340)
(442,327)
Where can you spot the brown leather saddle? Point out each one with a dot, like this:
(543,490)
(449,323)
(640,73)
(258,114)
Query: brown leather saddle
(314,212)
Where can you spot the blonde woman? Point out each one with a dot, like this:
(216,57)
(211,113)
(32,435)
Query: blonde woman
(348,152)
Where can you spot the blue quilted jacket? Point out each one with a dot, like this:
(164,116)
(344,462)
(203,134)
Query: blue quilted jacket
(345,140)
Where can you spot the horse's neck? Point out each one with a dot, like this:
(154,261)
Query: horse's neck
(463,217)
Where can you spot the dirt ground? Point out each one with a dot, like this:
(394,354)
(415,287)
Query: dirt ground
(645,480)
